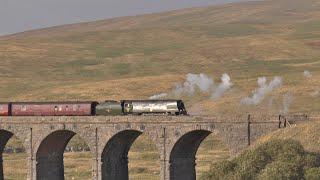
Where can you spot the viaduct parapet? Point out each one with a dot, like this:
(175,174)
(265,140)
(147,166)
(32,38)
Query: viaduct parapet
(110,137)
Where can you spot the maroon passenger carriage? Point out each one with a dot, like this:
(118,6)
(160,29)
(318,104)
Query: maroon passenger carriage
(48,109)
(4,109)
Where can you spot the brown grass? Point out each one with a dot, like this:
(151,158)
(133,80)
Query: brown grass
(306,133)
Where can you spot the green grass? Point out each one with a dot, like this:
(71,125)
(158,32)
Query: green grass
(308,27)
(233,30)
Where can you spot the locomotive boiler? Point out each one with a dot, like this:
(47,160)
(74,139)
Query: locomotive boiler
(93,108)
(141,107)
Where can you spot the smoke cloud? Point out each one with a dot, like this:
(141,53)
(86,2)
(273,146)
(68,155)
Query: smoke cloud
(307,74)
(200,82)
(158,96)
(223,86)
(270,103)
(263,89)
(287,100)
(194,81)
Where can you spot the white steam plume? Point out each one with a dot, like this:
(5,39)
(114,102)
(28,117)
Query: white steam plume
(158,96)
(201,81)
(223,86)
(270,103)
(287,100)
(307,74)
(262,90)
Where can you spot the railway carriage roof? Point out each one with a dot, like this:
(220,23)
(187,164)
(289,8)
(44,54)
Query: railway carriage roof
(56,102)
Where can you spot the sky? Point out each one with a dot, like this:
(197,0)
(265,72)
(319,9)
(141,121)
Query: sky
(21,15)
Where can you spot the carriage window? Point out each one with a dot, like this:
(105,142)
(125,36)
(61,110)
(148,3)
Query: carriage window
(74,107)
(24,108)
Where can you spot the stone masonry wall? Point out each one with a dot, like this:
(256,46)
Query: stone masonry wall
(109,139)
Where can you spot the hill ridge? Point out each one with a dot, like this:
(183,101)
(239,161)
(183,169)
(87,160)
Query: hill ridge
(137,57)
(126,19)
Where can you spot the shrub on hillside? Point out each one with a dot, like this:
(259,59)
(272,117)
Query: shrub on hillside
(276,159)
(312,173)
(220,172)
(281,170)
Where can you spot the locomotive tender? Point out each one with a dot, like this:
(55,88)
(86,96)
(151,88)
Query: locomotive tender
(93,108)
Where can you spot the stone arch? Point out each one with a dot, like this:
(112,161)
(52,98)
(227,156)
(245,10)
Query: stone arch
(86,133)
(212,149)
(49,155)
(152,133)
(22,133)
(7,134)
(114,158)
(4,138)
(182,156)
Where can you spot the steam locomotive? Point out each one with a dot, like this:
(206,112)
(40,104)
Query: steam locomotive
(93,108)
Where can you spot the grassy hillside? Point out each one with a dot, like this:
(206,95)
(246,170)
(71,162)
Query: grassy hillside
(275,159)
(296,148)
(136,57)
(307,134)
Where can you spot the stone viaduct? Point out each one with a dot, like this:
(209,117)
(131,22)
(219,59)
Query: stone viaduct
(109,138)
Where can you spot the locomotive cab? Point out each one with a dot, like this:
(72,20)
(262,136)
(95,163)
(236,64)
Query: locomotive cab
(109,108)
(127,107)
(181,107)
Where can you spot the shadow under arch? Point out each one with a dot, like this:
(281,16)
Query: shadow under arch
(50,165)
(4,138)
(115,155)
(182,156)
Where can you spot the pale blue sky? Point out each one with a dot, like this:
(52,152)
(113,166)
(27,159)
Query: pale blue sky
(22,15)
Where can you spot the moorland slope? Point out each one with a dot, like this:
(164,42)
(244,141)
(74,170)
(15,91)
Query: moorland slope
(136,57)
